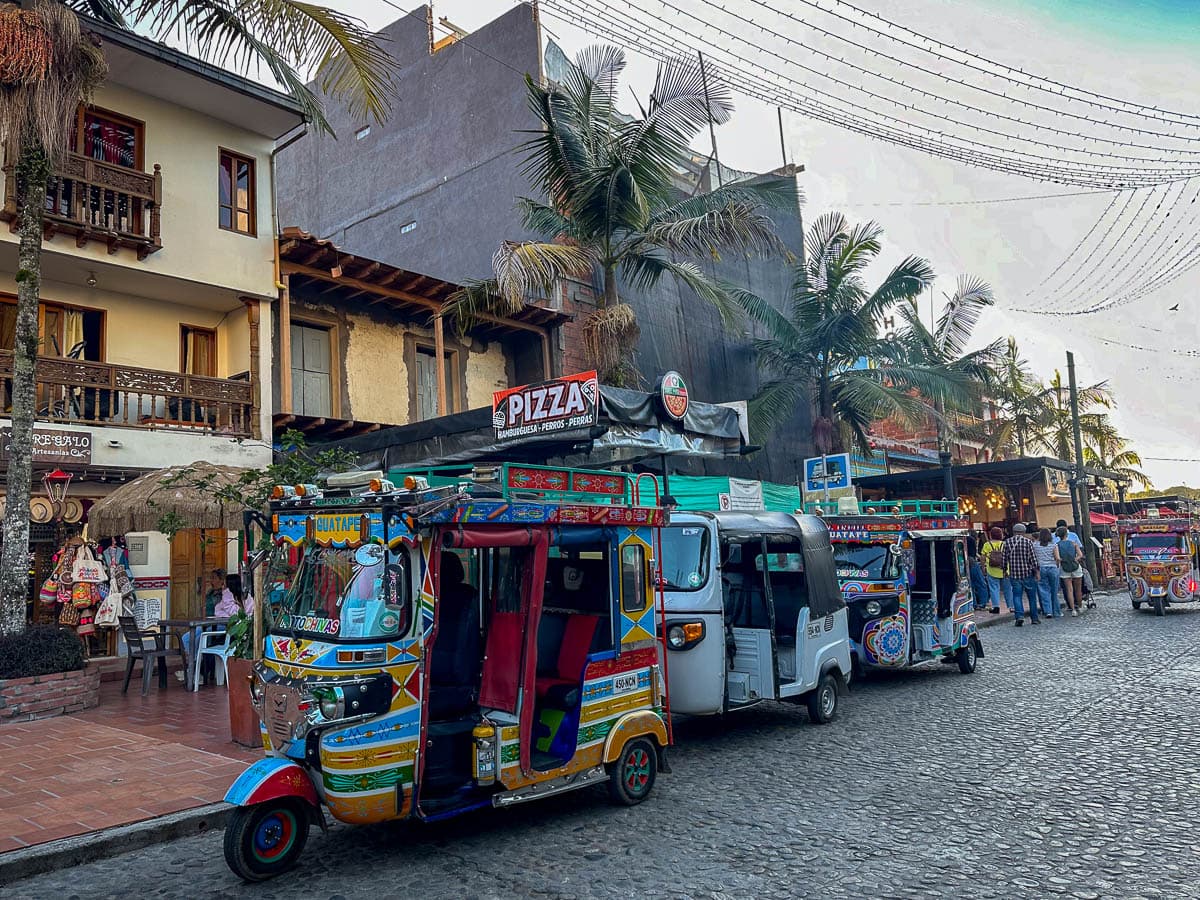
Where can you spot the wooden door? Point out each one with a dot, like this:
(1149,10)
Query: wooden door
(312,354)
(193,555)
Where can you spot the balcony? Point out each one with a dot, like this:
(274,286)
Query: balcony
(97,201)
(80,392)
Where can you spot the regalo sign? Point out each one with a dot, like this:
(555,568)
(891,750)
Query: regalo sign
(572,401)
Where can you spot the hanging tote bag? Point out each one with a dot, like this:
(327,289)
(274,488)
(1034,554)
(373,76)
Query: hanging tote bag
(69,615)
(86,567)
(84,594)
(109,611)
(49,592)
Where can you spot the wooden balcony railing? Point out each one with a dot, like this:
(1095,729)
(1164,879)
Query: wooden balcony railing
(92,393)
(97,201)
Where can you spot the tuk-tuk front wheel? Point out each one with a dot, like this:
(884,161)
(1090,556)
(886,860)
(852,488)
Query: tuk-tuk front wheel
(967,657)
(266,839)
(631,777)
(1137,604)
(822,701)
(1160,606)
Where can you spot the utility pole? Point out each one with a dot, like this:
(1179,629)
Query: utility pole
(1083,520)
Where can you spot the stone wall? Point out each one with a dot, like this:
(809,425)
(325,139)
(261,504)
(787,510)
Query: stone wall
(43,696)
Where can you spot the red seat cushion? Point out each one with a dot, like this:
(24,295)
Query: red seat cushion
(572,654)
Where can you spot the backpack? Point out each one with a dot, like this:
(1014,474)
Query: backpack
(995,557)
(1070,562)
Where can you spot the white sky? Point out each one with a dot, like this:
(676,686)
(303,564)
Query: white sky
(1011,245)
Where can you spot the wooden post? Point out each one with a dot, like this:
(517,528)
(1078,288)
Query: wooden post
(285,345)
(439,350)
(546,373)
(253,317)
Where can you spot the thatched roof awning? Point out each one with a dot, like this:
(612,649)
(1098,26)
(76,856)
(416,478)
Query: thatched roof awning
(187,491)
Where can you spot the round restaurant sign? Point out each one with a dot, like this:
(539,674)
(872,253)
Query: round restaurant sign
(673,393)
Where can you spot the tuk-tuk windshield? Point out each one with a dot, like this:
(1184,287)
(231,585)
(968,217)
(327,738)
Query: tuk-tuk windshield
(684,557)
(341,592)
(876,562)
(1157,543)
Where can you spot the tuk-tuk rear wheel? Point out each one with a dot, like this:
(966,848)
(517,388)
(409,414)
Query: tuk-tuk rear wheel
(631,777)
(1137,604)
(266,839)
(822,701)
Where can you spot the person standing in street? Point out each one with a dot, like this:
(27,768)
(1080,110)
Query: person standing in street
(1021,570)
(979,586)
(1047,557)
(1070,555)
(1074,538)
(993,558)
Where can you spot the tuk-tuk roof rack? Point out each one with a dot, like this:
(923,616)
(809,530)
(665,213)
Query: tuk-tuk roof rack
(556,484)
(909,509)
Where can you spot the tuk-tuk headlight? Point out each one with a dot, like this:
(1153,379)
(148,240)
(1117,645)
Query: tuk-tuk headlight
(683,635)
(331,702)
(872,608)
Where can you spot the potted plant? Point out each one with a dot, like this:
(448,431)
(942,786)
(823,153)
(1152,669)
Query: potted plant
(243,719)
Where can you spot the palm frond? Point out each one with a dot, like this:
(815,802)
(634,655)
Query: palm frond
(760,310)
(543,219)
(285,36)
(775,402)
(474,298)
(734,225)
(527,268)
(906,281)
(106,11)
(961,313)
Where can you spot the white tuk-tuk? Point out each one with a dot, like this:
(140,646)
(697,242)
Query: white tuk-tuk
(753,612)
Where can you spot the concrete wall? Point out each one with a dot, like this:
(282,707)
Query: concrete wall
(186,144)
(444,160)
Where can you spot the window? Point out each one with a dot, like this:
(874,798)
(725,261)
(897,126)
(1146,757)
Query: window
(427,392)
(363,132)
(110,139)
(312,393)
(197,351)
(107,137)
(236,194)
(408,226)
(633,579)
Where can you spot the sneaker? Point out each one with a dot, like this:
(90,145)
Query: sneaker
(1036,621)
(995,610)
(1074,614)
(1020,622)
(179,676)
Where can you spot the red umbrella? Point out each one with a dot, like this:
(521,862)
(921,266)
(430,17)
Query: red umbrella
(1103,518)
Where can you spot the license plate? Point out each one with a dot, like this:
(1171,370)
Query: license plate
(623,684)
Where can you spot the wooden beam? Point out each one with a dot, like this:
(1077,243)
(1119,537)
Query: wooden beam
(285,345)
(279,421)
(396,294)
(369,270)
(314,256)
(388,278)
(413,282)
(288,245)
(439,352)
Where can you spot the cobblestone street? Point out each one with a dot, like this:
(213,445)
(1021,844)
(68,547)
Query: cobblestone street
(1067,765)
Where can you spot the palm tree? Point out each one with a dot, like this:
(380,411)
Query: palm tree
(1055,434)
(1113,455)
(826,350)
(612,206)
(49,64)
(1020,400)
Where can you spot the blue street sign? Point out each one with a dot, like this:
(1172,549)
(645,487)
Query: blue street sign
(832,472)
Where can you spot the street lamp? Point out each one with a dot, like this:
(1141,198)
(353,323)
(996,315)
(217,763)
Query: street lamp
(56,484)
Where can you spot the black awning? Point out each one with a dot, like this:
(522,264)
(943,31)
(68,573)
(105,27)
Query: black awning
(631,428)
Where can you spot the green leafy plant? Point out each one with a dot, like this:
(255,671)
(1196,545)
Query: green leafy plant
(40,650)
(239,631)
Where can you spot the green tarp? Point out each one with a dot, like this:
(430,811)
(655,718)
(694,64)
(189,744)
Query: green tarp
(700,492)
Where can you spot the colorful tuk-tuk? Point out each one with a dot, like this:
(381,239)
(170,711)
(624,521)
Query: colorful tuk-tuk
(434,650)
(753,613)
(902,567)
(1160,561)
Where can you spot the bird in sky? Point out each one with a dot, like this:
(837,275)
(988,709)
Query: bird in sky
(1174,308)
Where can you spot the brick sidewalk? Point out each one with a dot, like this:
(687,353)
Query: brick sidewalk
(131,758)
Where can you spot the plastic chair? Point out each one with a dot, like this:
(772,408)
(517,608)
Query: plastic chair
(212,643)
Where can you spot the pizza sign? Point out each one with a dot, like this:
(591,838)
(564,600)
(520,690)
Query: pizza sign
(673,394)
(572,401)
